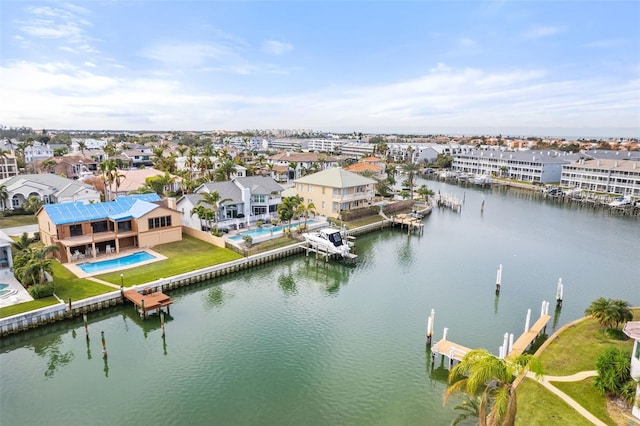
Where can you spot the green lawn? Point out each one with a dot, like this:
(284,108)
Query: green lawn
(183,256)
(11,221)
(578,347)
(27,306)
(537,406)
(585,394)
(67,286)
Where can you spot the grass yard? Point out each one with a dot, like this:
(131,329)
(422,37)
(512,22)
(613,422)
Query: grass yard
(585,394)
(578,347)
(67,286)
(537,406)
(22,220)
(183,256)
(70,286)
(27,306)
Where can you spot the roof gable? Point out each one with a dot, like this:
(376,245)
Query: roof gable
(336,177)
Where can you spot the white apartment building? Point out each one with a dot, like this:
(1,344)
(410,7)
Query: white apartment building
(527,166)
(39,151)
(611,176)
(325,145)
(357,150)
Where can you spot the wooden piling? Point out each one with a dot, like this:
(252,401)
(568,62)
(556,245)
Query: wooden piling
(86,325)
(104,345)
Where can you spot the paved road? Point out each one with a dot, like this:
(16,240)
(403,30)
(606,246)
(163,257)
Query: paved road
(19,230)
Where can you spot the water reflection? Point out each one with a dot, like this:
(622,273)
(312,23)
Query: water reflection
(215,297)
(406,256)
(332,274)
(50,349)
(152,322)
(287,284)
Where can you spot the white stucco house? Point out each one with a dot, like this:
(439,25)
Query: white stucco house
(632,329)
(49,188)
(247,200)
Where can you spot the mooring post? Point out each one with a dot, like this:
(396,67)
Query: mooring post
(430,326)
(104,345)
(451,352)
(559,292)
(142,308)
(526,324)
(69,303)
(86,325)
(510,342)
(505,345)
(162,321)
(499,279)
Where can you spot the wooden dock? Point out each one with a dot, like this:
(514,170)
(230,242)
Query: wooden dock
(445,347)
(523,342)
(456,352)
(149,302)
(412,223)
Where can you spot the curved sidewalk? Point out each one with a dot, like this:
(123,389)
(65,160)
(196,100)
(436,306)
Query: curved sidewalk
(545,381)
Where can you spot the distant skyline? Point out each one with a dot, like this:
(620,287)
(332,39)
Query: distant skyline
(502,67)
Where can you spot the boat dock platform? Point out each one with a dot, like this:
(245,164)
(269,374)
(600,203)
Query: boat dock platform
(525,340)
(412,222)
(324,252)
(149,302)
(510,349)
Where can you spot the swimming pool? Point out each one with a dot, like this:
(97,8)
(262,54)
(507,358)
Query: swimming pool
(269,230)
(4,290)
(128,260)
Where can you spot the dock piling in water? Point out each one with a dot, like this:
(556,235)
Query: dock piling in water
(104,345)
(559,292)
(86,325)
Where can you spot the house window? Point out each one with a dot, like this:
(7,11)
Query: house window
(99,226)
(336,192)
(323,205)
(334,207)
(75,230)
(159,222)
(260,198)
(309,187)
(124,226)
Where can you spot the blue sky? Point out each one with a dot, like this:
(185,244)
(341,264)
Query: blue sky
(459,67)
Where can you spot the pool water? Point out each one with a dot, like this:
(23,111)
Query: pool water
(128,260)
(268,230)
(3,286)
(4,290)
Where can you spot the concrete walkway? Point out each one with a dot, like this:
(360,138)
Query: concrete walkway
(544,380)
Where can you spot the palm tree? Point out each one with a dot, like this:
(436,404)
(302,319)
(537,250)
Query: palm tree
(469,407)
(608,312)
(82,145)
(224,171)
(214,199)
(304,210)
(4,196)
(22,243)
(411,169)
(425,192)
(287,208)
(481,373)
(47,165)
(205,214)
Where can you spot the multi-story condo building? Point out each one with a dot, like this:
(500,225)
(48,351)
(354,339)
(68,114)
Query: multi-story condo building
(289,144)
(611,176)
(357,149)
(528,166)
(325,145)
(8,166)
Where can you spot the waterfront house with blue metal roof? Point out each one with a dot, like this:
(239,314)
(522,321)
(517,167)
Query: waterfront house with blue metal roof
(83,230)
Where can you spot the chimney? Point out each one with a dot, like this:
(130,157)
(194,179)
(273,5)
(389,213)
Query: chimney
(171,203)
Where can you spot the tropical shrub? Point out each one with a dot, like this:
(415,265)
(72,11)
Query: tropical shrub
(614,374)
(248,240)
(610,313)
(39,291)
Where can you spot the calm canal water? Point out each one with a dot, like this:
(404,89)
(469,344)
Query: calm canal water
(297,342)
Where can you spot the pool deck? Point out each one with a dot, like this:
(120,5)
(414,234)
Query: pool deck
(18,293)
(75,269)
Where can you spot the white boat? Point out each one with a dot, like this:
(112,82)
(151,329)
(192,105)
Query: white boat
(482,179)
(328,240)
(620,202)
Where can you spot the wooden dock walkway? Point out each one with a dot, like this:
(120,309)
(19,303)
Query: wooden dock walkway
(411,222)
(149,302)
(456,352)
(444,347)
(523,342)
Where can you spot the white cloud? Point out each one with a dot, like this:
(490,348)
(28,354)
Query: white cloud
(274,47)
(61,95)
(467,42)
(542,31)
